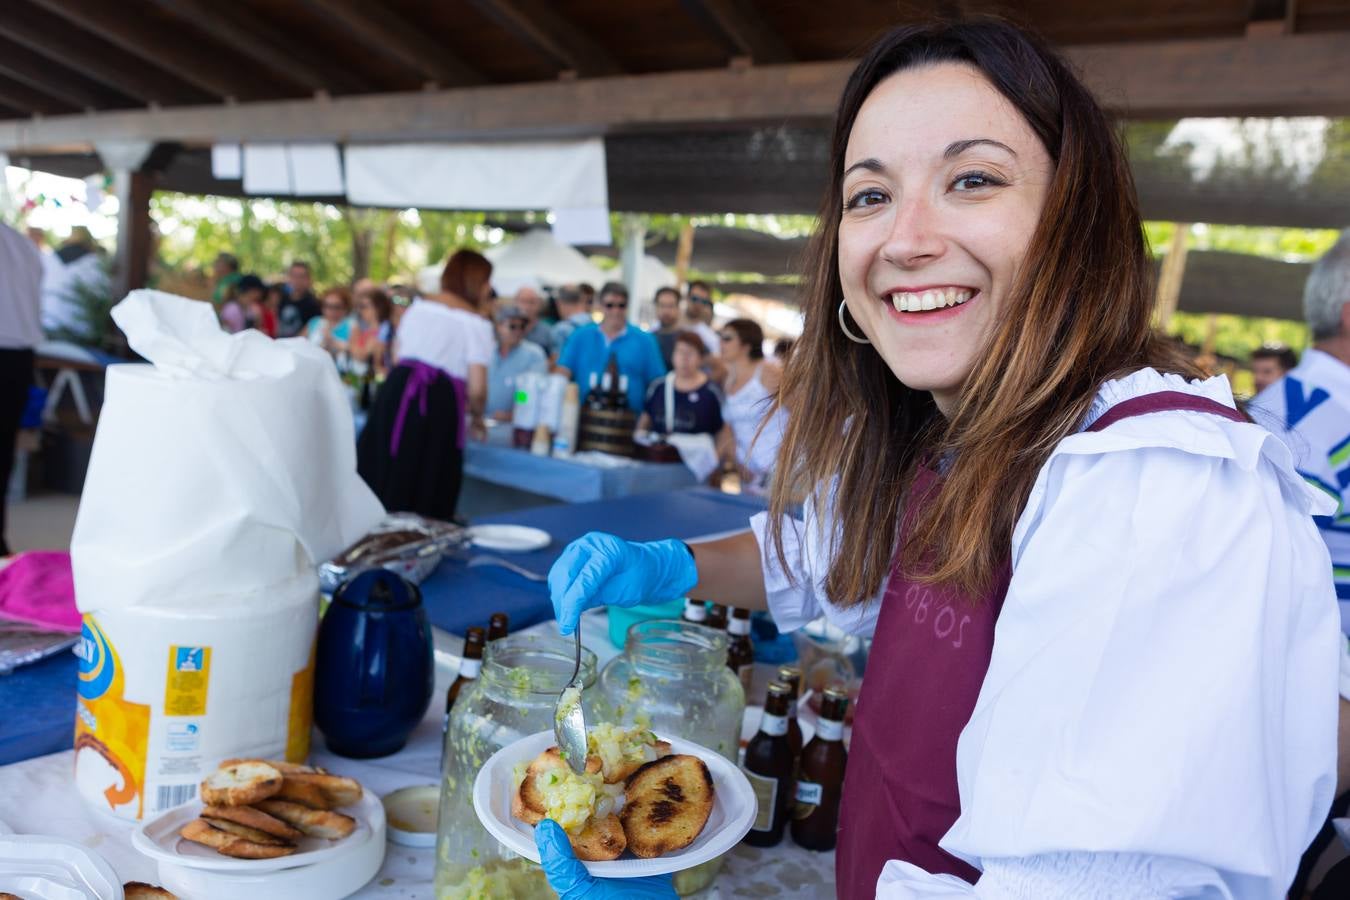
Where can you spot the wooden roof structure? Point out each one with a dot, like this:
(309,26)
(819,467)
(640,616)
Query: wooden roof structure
(705,105)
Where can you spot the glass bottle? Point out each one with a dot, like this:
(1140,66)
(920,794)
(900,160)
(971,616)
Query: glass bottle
(792,677)
(717,617)
(695,612)
(768,766)
(741,651)
(470,663)
(815,814)
(514,696)
(499,626)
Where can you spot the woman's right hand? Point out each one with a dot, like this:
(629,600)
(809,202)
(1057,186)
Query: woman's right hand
(600,569)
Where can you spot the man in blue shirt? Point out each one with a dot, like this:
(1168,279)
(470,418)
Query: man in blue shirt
(588,351)
(515,356)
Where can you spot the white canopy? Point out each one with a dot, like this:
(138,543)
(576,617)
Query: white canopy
(537,260)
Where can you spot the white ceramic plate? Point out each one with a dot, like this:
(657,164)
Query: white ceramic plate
(509,538)
(49,868)
(732,814)
(159,840)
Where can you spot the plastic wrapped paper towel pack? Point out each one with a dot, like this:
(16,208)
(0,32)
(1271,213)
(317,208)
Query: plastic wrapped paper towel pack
(221,475)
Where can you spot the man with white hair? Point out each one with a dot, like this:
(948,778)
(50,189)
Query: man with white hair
(1310,406)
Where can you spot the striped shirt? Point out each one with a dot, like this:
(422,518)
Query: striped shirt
(1310,409)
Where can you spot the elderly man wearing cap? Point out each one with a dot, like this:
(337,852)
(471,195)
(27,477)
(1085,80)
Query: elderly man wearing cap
(515,356)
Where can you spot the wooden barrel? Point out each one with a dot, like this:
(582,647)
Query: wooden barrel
(607,430)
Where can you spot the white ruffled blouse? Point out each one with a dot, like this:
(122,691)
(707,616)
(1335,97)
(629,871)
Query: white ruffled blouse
(1159,715)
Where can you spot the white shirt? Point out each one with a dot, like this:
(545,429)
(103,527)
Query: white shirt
(62,285)
(1309,409)
(449,339)
(20,291)
(1159,715)
(710,337)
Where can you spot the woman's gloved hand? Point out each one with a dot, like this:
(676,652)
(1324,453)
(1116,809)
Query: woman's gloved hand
(600,569)
(569,877)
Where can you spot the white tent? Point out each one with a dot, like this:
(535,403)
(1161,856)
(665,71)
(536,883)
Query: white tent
(536,259)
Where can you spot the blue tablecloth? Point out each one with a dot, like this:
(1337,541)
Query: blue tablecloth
(497,462)
(37,703)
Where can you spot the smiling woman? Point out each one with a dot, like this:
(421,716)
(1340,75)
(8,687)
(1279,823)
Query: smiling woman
(1104,629)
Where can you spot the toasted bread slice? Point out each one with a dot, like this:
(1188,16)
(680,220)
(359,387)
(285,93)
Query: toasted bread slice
(201,831)
(285,768)
(245,832)
(320,823)
(139,890)
(336,790)
(626,768)
(601,839)
(528,794)
(253,818)
(241,784)
(666,804)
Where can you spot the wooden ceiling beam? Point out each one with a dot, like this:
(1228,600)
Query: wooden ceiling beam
(112,22)
(741,24)
(541,26)
(23,97)
(68,47)
(1299,74)
(233,26)
(38,72)
(381,28)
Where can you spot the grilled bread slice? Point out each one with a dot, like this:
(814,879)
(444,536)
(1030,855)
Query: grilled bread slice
(253,818)
(526,804)
(139,890)
(600,840)
(201,831)
(285,768)
(666,804)
(626,768)
(250,834)
(240,784)
(321,823)
(333,789)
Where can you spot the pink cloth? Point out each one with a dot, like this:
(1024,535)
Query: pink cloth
(38,588)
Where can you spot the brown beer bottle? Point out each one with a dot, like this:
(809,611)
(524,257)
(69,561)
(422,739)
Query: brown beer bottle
(768,766)
(740,651)
(717,617)
(498,626)
(469,666)
(792,677)
(815,814)
(695,611)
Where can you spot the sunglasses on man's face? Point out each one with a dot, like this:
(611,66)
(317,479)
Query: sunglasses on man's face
(514,326)
(615,305)
(703,301)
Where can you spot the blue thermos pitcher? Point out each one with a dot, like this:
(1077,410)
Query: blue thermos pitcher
(374,670)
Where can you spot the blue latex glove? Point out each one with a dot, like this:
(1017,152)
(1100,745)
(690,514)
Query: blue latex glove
(600,569)
(569,877)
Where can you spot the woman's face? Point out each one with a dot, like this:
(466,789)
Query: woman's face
(334,310)
(366,308)
(685,359)
(732,348)
(943,185)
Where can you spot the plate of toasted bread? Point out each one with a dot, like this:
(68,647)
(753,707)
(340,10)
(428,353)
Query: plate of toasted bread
(643,806)
(258,815)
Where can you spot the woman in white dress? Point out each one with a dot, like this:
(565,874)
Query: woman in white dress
(754,427)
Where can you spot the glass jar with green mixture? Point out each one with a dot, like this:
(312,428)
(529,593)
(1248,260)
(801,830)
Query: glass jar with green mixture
(672,677)
(513,696)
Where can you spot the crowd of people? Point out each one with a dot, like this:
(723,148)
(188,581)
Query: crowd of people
(719,379)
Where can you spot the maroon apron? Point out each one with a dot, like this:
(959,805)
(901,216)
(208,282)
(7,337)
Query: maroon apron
(930,654)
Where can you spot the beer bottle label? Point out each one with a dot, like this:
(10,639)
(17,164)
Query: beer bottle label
(773,725)
(808,798)
(829,730)
(766,794)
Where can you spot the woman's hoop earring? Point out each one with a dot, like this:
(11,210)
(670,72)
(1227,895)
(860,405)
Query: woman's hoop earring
(843,325)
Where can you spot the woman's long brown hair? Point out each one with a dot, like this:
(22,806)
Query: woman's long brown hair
(1079,314)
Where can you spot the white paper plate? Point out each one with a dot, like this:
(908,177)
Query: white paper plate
(733,811)
(48,868)
(509,538)
(159,840)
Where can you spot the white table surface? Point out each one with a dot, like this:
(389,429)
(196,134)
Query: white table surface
(37,796)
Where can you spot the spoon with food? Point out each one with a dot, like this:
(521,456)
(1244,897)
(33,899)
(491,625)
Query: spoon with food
(569,723)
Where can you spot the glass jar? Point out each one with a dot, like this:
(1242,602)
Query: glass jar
(514,696)
(675,673)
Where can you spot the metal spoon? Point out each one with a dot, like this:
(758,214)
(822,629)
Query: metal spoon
(569,723)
